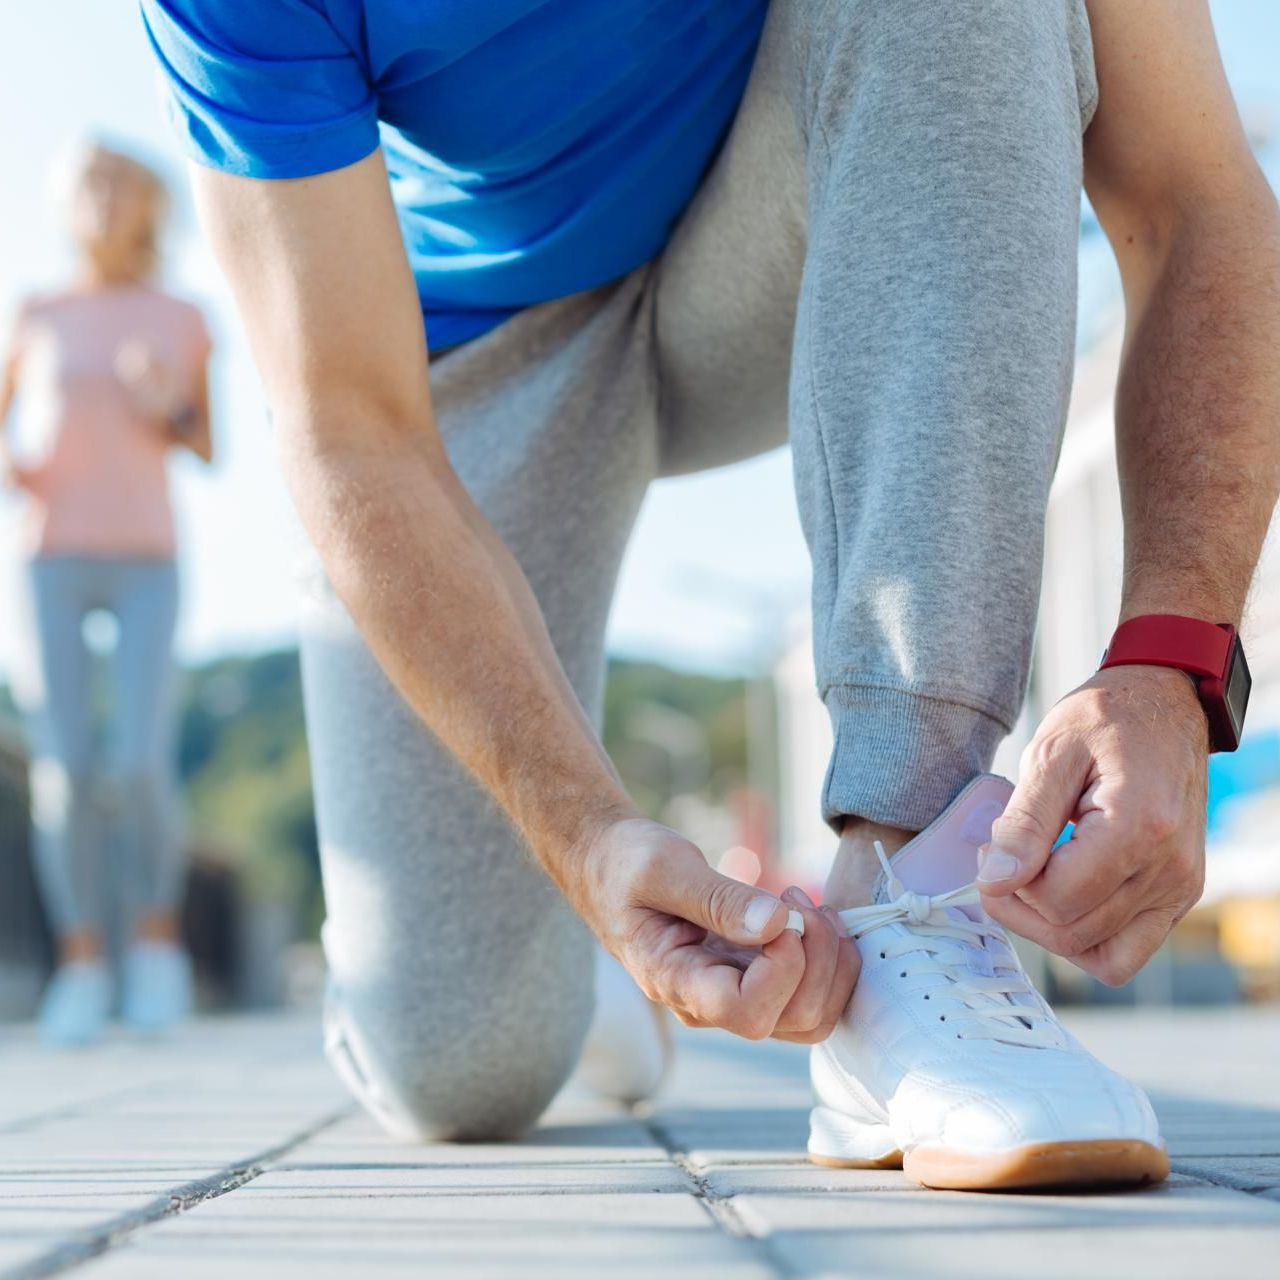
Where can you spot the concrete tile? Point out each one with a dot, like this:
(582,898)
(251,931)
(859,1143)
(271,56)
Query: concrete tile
(620,1236)
(800,1175)
(16,1251)
(514,1177)
(566,1137)
(31,1192)
(593,1191)
(1245,1173)
(744,1133)
(1224,1145)
(1183,1230)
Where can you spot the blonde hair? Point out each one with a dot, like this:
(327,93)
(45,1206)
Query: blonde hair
(69,170)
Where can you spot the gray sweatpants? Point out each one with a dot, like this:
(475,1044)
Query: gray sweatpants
(879,266)
(77,840)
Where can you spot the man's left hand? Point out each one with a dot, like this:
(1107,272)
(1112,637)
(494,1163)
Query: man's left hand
(1124,758)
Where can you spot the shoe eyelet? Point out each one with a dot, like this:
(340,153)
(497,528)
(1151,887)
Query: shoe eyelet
(882,955)
(942,1017)
(926,995)
(903,974)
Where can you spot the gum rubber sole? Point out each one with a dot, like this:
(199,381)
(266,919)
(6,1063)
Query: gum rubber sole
(1106,1162)
(892,1161)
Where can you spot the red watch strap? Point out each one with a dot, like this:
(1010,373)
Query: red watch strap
(1170,640)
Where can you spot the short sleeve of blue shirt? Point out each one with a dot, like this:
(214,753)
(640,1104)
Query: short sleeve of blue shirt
(263,88)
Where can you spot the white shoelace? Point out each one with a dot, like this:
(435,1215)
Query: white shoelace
(940,942)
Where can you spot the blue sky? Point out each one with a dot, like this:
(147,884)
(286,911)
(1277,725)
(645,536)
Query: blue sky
(718,565)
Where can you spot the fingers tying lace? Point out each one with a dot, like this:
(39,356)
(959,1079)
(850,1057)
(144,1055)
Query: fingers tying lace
(993,1001)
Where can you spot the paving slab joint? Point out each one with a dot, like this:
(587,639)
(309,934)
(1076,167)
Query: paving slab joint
(115,1231)
(1267,1188)
(721,1209)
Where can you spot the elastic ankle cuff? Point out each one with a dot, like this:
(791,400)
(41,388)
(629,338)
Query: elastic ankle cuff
(900,758)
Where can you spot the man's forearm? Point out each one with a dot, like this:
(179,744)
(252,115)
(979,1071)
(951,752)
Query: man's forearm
(1198,412)
(452,621)
(319,270)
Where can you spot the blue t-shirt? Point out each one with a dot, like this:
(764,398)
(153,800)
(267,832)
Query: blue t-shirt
(536,147)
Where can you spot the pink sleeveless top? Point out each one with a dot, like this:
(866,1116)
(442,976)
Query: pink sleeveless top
(100,485)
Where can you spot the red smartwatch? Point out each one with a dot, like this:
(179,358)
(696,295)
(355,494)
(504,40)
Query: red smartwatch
(1209,652)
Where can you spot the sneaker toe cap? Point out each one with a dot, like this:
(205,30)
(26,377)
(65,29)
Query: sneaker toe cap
(1094,1105)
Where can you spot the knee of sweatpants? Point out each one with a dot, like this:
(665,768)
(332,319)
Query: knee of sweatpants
(478,1066)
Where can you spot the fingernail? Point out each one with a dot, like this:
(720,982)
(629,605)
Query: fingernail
(798,896)
(795,921)
(998,865)
(758,914)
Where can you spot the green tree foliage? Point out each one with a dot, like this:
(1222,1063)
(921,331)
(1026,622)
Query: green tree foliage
(242,758)
(714,705)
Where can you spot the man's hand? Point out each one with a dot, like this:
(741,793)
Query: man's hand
(1124,757)
(715,951)
(1196,234)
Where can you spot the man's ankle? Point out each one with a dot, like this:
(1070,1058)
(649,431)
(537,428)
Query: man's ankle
(853,876)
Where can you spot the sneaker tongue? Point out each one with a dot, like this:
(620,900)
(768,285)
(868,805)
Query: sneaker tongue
(944,856)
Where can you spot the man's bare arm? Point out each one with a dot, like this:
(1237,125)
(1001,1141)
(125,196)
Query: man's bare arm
(322,281)
(334,319)
(1196,233)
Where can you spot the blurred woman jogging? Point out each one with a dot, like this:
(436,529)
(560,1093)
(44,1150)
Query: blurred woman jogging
(114,372)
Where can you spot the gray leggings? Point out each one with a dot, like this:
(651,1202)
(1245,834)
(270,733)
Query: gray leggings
(90,814)
(879,266)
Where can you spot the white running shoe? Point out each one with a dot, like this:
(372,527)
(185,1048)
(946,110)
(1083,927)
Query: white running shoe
(158,986)
(629,1048)
(947,1061)
(76,1004)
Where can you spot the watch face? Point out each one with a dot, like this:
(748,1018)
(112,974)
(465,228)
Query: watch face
(1239,682)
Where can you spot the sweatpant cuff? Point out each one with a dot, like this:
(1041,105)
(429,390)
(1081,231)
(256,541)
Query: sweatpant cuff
(900,758)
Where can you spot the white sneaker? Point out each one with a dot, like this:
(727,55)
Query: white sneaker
(76,1004)
(628,1049)
(947,1061)
(158,986)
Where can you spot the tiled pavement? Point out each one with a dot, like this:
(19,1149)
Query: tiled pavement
(231,1152)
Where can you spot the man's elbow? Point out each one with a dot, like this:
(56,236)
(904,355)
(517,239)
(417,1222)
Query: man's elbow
(1232,196)
(353,456)
(1225,216)
(338,426)
(1236,201)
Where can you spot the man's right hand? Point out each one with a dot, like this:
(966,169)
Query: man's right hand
(715,951)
